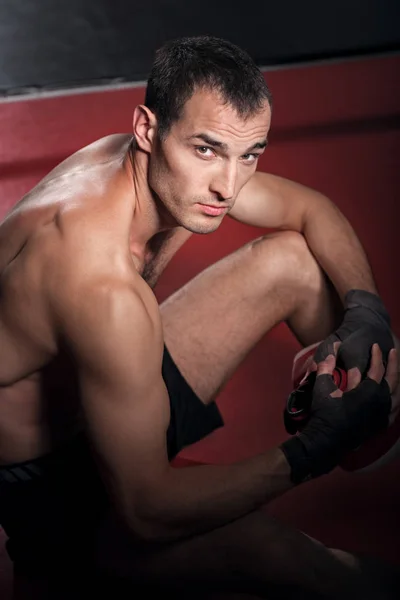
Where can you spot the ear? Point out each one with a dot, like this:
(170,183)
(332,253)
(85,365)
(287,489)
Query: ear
(144,127)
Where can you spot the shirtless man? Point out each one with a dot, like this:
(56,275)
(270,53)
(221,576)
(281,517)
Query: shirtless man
(93,407)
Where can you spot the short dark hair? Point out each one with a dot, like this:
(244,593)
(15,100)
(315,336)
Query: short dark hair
(181,66)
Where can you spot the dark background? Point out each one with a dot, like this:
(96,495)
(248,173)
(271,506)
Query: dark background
(60,43)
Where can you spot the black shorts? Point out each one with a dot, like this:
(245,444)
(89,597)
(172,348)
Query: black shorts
(50,507)
(191,420)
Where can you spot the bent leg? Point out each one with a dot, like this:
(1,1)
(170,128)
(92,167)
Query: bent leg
(212,323)
(254,555)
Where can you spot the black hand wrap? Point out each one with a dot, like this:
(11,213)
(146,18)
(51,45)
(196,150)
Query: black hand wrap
(366,321)
(336,426)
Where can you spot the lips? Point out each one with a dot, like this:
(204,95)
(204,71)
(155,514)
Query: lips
(210,209)
(213,205)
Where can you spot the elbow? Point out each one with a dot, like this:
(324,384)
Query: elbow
(150,532)
(147,524)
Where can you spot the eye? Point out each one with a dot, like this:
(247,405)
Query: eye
(205,151)
(250,158)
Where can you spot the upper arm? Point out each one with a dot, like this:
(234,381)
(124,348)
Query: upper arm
(117,347)
(274,202)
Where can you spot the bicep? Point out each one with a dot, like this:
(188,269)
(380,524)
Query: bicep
(127,420)
(118,353)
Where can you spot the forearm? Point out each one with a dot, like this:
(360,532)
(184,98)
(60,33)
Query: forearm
(197,499)
(336,247)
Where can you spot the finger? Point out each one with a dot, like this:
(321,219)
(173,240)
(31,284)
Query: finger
(324,386)
(325,367)
(311,368)
(353,378)
(377,369)
(336,347)
(392,371)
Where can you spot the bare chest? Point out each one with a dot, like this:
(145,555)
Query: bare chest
(152,260)
(151,268)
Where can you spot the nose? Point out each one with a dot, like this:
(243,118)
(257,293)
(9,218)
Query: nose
(224,182)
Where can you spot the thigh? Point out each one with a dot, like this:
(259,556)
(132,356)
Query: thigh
(212,323)
(211,560)
(253,555)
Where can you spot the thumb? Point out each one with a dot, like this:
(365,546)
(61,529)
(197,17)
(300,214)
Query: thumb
(324,384)
(326,362)
(326,366)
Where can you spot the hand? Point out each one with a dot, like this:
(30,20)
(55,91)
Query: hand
(365,322)
(341,421)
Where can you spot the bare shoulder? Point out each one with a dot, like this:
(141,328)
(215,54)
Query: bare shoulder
(113,317)
(96,155)
(98,278)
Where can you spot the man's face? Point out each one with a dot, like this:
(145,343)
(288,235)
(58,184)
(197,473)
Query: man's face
(208,155)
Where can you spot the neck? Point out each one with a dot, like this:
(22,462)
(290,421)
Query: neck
(149,215)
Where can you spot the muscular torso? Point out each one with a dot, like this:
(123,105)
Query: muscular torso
(39,400)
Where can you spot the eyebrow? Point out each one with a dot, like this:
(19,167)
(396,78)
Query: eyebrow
(217,144)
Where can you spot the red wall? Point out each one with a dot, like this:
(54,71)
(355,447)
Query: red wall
(335,128)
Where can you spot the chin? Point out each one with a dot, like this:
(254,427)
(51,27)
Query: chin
(202,225)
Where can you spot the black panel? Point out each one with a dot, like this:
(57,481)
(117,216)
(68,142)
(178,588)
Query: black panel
(58,43)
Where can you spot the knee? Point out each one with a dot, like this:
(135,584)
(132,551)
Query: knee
(283,243)
(288,252)
(284,259)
